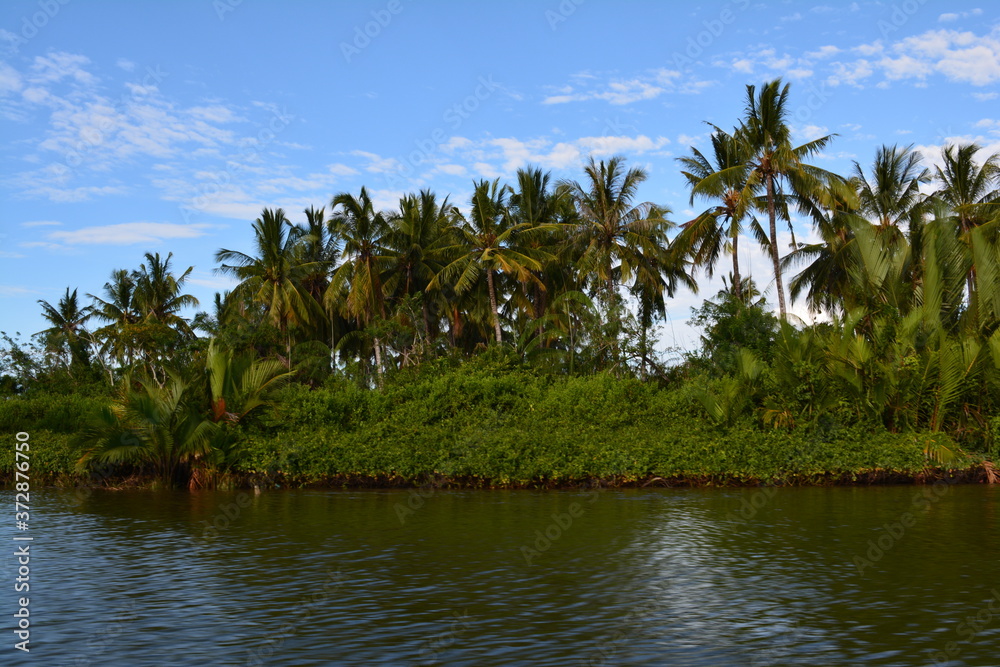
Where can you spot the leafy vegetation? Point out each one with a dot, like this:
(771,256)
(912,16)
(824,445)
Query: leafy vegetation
(514,342)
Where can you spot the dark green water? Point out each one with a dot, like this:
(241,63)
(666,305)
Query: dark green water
(646,577)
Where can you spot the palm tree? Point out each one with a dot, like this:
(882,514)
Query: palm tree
(357,285)
(485,247)
(969,188)
(616,238)
(535,204)
(891,196)
(725,179)
(274,277)
(67,320)
(414,247)
(319,251)
(150,425)
(775,163)
(158,293)
(971,191)
(119,309)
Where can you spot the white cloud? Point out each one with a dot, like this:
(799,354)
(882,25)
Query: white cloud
(650,85)
(41,223)
(984,97)
(127,233)
(962,57)
(125,64)
(215,113)
(17,290)
(952,16)
(823,52)
(10,80)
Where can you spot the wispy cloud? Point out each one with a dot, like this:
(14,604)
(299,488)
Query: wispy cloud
(619,91)
(127,233)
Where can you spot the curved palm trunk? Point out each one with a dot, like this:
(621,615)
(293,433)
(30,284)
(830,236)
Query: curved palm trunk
(774,246)
(493,305)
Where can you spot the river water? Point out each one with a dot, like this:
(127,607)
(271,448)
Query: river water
(821,576)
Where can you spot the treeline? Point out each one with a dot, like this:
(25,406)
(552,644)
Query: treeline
(571,278)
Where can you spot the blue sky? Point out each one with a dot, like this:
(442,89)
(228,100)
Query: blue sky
(167,126)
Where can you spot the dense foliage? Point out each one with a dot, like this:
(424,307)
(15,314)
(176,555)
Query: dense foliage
(514,341)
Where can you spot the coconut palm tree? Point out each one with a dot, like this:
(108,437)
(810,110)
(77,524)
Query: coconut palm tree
(972,191)
(776,164)
(725,178)
(119,309)
(486,248)
(615,238)
(274,276)
(319,249)
(158,293)
(356,287)
(891,196)
(536,204)
(67,331)
(415,246)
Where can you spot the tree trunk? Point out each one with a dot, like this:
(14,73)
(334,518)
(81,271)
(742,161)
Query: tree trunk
(737,281)
(378,359)
(774,246)
(427,319)
(493,306)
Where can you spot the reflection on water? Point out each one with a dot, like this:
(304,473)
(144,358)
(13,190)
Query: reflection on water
(639,577)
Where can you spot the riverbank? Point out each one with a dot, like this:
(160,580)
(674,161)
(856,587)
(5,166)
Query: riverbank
(484,428)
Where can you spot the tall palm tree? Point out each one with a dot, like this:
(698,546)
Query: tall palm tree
(68,319)
(485,247)
(159,295)
(319,249)
(971,191)
(119,309)
(725,178)
(618,242)
(274,276)
(891,196)
(776,164)
(535,204)
(356,287)
(415,247)
(616,238)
